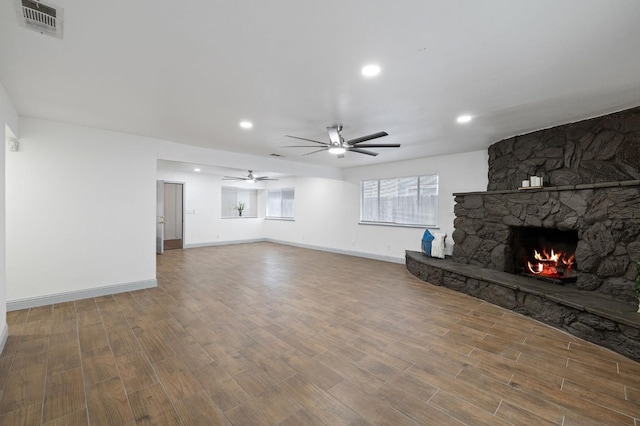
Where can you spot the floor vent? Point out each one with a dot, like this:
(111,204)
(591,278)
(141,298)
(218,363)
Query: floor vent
(41,17)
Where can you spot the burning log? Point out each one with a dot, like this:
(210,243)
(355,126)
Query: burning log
(552,265)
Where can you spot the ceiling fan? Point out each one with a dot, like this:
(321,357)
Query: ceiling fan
(339,146)
(249,178)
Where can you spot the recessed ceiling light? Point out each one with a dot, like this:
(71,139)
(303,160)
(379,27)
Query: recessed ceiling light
(371,70)
(246,124)
(196,169)
(464,118)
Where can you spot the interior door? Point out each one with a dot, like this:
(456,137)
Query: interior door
(160,216)
(173,215)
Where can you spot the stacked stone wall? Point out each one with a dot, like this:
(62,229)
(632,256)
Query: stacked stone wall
(602,149)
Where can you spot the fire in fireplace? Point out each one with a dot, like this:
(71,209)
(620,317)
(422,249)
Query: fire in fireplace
(545,253)
(551,264)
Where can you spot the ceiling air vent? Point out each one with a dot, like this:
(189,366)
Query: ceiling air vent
(41,17)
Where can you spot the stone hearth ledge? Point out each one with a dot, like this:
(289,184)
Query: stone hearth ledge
(592,316)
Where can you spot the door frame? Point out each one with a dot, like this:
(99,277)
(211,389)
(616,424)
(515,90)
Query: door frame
(160,234)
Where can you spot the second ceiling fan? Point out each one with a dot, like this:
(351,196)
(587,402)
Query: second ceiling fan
(339,146)
(249,178)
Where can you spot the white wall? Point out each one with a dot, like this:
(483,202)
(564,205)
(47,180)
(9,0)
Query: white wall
(8,123)
(203,224)
(323,213)
(80,211)
(464,172)
(328,211)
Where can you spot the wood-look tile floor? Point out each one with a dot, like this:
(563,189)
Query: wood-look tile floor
(262,333)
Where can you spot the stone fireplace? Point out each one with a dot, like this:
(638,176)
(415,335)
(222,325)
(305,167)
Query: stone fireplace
(605,218)
(589,210)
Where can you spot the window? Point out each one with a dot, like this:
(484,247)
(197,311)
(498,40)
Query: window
(400,201)
(231,196)
(280,203)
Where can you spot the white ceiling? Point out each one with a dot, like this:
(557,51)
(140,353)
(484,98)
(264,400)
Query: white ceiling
(188,72)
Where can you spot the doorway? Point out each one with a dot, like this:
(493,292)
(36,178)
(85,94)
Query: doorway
(170,226)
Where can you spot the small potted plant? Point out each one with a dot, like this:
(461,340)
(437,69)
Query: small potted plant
(239,207)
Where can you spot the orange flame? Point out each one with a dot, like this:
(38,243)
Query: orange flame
(546,263)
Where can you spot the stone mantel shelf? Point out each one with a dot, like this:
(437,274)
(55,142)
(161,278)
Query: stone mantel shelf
(582,300)
(585,186)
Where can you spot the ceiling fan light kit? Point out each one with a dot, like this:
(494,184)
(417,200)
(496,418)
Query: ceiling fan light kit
(338,146)
(337,149)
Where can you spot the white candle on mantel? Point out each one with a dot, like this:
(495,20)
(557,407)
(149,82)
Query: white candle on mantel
(525,183)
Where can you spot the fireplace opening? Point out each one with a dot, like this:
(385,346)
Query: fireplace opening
(543,253)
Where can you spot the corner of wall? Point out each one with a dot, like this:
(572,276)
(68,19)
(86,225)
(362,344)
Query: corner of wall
(4,335)
(8,125)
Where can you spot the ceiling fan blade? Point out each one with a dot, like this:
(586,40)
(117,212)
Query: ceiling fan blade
(313,152)
(305,139)
(334,135)
(362,151)
(265,178)
(375,145)
(233,178)
(298,146)
(367,138)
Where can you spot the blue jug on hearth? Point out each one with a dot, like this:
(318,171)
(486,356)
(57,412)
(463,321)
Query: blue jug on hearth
(427,238)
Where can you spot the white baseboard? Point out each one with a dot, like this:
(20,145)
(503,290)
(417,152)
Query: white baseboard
(32,302)
(4,335)
(391,259)
(224,243)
